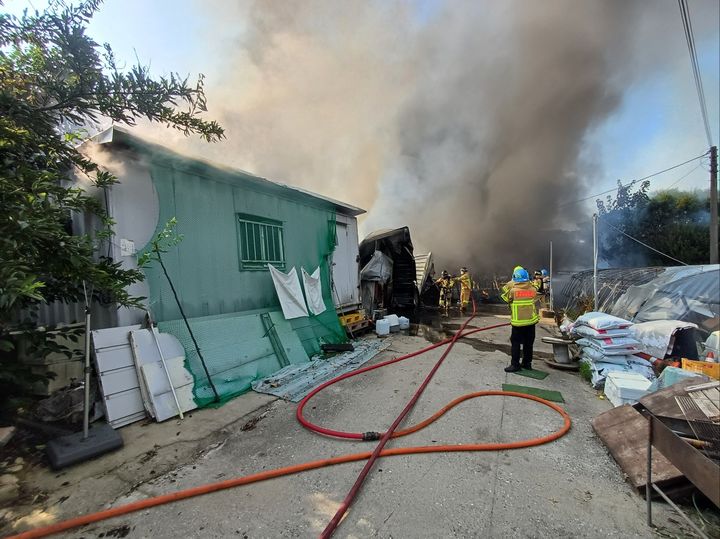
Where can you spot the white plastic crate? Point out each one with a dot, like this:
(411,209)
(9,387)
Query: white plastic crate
(625,387)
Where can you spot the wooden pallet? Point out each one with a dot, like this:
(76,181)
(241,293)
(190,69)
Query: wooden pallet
(358,328)
(351,318)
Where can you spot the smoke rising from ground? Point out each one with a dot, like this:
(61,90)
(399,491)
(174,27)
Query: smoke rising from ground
(464,120)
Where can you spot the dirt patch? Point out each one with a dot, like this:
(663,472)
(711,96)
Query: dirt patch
(252,423)
(454,327)
(120,531)
(149,455)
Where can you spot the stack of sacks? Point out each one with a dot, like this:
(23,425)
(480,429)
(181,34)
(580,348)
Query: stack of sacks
(607,345)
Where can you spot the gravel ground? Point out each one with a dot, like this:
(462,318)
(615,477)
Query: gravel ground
(568,488)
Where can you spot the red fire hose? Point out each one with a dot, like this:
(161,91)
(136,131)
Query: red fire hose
(330,528)
(312,465)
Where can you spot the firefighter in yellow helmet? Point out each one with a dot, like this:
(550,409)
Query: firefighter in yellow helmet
(446,285)
(465,288)
(521,294)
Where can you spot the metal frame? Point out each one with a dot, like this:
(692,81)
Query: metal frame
(258,233)
(699,470)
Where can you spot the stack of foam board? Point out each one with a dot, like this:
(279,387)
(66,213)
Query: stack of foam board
(625,387)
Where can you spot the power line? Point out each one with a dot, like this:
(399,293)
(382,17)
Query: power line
(690,39)
(646,245)
(681,178)
(634,181)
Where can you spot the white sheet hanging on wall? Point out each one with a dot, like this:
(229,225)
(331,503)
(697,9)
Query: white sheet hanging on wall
(289,293)
(313,291)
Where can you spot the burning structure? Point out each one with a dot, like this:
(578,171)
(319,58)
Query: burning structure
(388,275)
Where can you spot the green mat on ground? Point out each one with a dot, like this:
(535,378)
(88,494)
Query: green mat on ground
(546,394)
(532,373)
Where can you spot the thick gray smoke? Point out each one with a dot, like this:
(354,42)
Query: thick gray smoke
(464,120)
(490,142)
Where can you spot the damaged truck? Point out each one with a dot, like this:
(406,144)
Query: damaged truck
(388,275)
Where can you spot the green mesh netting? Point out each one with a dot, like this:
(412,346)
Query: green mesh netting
(232,310)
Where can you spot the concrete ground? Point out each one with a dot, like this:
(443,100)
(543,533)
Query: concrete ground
(568,488)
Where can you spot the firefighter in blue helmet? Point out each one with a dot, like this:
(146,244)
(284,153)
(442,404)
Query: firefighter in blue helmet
(546,281)
(521,294)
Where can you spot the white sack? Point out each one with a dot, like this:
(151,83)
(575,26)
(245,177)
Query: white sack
(600,371)
(596,355)
(644,370)
(602,321)
(313,291)
(587,331)
(611,347)
(639,360)
(289,293)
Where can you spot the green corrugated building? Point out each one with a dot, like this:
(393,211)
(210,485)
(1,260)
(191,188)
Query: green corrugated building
(233,225)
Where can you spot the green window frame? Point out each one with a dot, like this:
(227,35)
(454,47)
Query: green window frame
(260,242)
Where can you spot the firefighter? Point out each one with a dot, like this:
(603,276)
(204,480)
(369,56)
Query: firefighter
(539,282)
(521,295)
(465,288)
(546,281)
(446,284)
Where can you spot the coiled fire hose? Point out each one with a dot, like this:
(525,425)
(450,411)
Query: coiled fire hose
(370,456)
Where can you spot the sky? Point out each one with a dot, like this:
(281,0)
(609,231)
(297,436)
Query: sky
(656,125)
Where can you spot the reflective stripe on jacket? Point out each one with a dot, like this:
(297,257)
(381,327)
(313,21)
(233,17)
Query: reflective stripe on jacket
(446,283)
(522,298)
(465,281)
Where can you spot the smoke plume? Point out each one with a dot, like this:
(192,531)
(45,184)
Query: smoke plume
(465,121)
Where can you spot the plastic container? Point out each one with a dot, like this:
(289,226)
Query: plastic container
(392,319)
(404,322)
(712,346)
(382,327)
(702,367)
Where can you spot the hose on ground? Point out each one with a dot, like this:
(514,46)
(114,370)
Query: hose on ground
(147,503)
(385,438)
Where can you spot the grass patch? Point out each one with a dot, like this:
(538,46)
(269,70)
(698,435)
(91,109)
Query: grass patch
(585,371)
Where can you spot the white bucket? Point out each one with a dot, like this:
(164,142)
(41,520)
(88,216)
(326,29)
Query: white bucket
(404,322)
(392,319)
(382,327)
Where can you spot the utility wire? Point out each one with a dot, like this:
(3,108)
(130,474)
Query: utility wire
(646,245)
(681,178)
(634,181)
(690,39)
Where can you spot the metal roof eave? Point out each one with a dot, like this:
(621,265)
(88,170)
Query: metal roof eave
(118,135)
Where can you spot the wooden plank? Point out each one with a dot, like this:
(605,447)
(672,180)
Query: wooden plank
(700,470)
(624,431)
(289,338)
(662,402)
(700,387)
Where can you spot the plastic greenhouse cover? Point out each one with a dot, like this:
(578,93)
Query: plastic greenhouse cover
(688,294)
(628,304)
(379,268)
(656,336)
